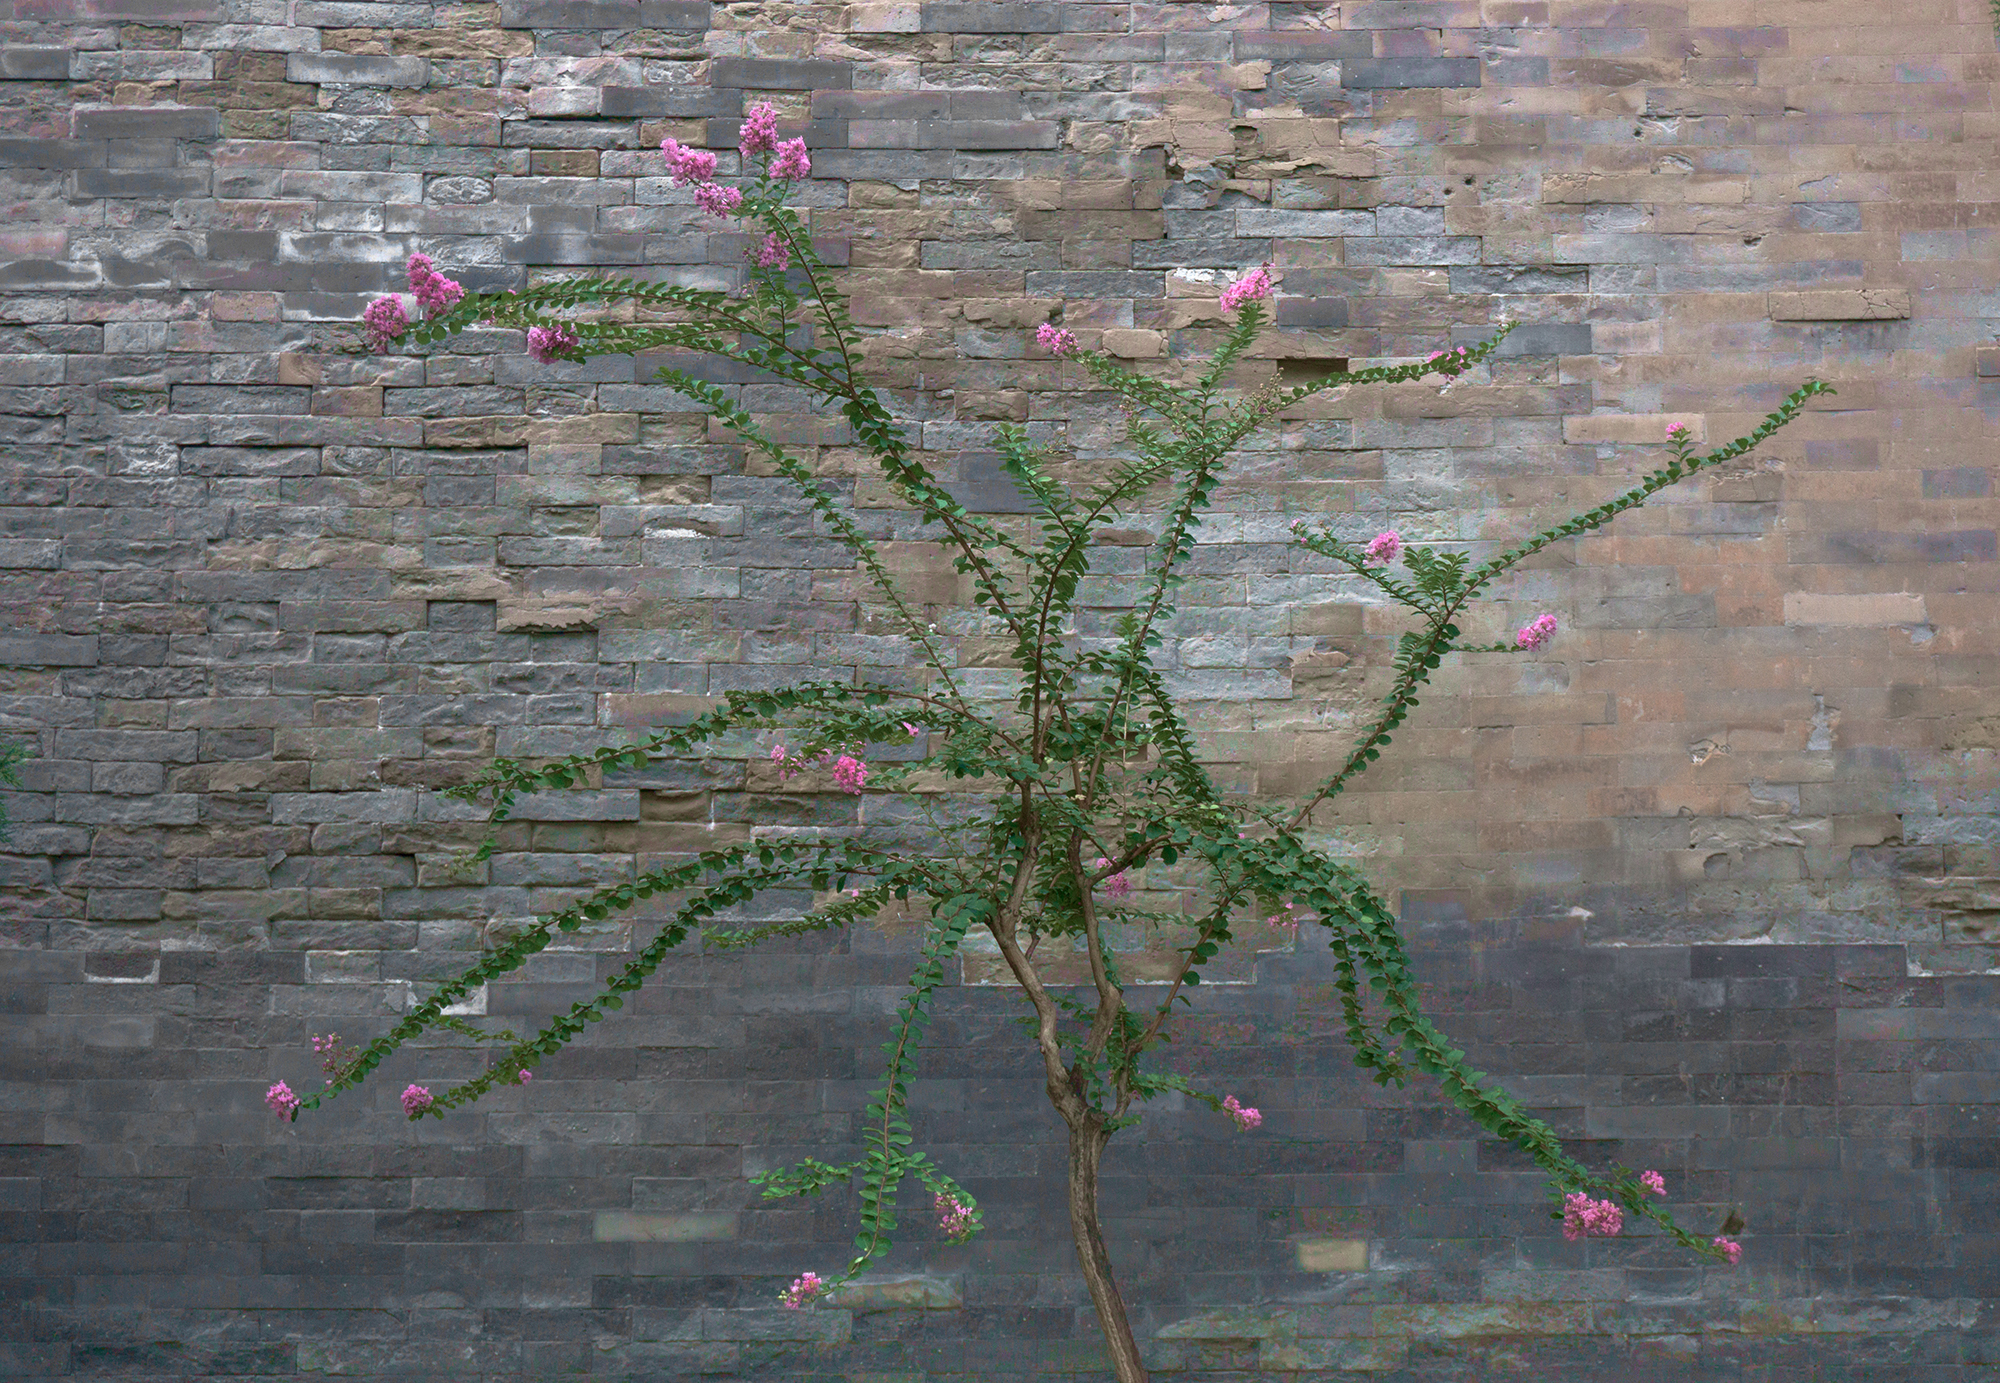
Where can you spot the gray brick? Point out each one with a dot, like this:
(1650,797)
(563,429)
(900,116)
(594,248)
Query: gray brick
(1410,249)
(1381,74)
(34,64)
(52,153)
(48,650)
(1303,46)
(145,122)
(1525,278)
(1564,339)
(1303,224)
(1838,217)
(604,14)
(778,74)
(345,69)
(992,17)
(1325,313)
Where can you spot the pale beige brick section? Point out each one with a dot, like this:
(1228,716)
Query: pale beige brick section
(1844,305)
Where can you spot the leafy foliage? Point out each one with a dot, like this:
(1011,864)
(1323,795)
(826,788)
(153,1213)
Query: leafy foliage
(1087,772)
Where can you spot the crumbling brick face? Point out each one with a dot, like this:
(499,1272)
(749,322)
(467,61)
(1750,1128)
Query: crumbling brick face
(264,599)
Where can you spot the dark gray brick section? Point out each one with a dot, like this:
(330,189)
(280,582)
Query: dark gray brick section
(993,17)
(146,122)
(1312,312)
(584,14)
(35,64)
(1783,1080)
(1304,46)
(1564,339)
(1386,74)
(777,74)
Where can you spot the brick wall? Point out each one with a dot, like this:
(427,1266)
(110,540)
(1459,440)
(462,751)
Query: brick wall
(1712,880)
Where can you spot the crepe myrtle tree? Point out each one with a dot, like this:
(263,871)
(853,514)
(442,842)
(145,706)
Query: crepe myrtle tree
(1086,778)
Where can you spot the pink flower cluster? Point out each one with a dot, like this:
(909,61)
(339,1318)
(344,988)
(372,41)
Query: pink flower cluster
(1055,340)
(1253,286)
(803,1289)
(1454,359)
(759,134)
(1677,433)
(1537,633)
(1116,885)
(1385,548)
(416,1100)
(384,321)
(790,161)
(1583,1216)
(689,166)
(1653,1182)
(547,344)
(436,292)
(717,200)
(282,1101)
(1245,1116)
(774,253)
(526,1076)
(955,1219)
(850,773)
(1731,1250)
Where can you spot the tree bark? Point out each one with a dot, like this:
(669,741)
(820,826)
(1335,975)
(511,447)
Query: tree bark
(1086,1146)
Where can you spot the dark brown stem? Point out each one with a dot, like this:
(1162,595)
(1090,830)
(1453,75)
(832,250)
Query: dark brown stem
(1086,1145)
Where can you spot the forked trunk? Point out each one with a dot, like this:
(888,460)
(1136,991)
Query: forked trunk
(1086,1146)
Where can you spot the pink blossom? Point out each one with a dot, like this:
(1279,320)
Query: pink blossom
(526,1076)
(384,321)
(282,1101)
(760,129)
(1731,1250)
(791,162)
(1116,886)
(955,1219)
(1255,285)
(416,1100)
(436,292)
(803,1289)
(1386,547)
(1245,1116)
(1536,634)
(912,730)
(1653,1182)
(688,165)
(717,200)
(1055,340)
(850,774)
(1583,1216)
(773,254)
(547,343)
(1677,432)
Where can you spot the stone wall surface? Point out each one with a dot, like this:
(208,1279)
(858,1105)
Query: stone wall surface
(1712,881)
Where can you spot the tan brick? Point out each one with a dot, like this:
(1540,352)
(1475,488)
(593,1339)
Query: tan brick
(1841,305)
(1808,607)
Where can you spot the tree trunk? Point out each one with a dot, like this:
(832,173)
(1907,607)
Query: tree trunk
(1086,1146)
